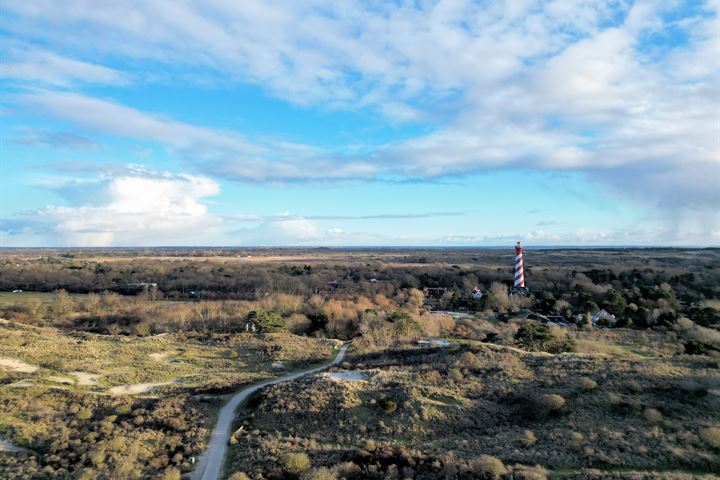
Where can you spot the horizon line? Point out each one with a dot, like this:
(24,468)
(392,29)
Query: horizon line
(354,247)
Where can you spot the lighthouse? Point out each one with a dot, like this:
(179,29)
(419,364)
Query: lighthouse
(519,275)
(519,287)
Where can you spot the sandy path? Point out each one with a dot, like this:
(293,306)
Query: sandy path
(135,388)
(17,365)
(59,379)
(159,356)
(211,463)
(6,446)
(84,378)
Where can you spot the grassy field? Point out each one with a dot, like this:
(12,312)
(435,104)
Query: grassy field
(125,384)
(58,387)
(432,413)
(10,298)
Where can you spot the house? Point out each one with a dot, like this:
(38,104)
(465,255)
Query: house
(142,285)
(602,318)
(434,292)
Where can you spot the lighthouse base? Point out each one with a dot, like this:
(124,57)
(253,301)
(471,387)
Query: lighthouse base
(524,291)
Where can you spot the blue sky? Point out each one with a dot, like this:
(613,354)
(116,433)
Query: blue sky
(563,122)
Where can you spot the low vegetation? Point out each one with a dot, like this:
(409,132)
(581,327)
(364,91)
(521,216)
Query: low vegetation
(476,410)
(113,363)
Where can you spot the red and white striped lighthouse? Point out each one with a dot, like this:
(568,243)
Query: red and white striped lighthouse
(519,275)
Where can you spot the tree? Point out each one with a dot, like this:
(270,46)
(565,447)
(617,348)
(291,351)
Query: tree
(404,324)
(537,336)
(563,307)
(267,321)
(614,301)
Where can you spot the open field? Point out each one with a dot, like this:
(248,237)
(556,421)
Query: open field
(102,376)
(430,413)
(49,379)
(10,298)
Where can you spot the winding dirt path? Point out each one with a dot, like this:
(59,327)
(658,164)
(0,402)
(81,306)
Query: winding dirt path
(211,463)
(9,447)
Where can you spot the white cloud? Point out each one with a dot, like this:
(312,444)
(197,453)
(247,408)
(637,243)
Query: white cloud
(220,152)
(584,85)
(139,208)
(42,66)
(293,231)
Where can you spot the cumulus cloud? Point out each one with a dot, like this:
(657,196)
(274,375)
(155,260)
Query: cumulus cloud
(140,207)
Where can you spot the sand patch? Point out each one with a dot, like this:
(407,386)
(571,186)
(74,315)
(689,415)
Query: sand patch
(21,384)
(160,356)
(84,378)
(350,375)
(58,379)
(9,447)
(135,388)
(17,365)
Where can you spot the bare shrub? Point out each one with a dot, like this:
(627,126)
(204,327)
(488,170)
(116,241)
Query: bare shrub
(587,384)
(497,298)
(652,415)
(295,463)
(239,476)
(487,467)
(548,404)
(320,473)
(522,472)
(471,361)
(347,469)
(529,438)
(711,436)
(84,414)
(298,323)
(170,474)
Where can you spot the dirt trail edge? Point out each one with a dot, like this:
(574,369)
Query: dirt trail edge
(211,462)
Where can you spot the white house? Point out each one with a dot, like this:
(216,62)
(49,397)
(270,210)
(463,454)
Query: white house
(603,318)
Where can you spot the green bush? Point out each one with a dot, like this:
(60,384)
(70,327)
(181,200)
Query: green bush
(84,414)
(295,463)
(389,406)
(123,409)
(267,321)
(694,347)
(540,337)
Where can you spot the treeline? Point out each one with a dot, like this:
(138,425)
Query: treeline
(691,277)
